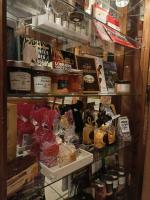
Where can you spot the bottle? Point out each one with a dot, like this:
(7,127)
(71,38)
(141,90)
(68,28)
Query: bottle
(100,190)
(109,186)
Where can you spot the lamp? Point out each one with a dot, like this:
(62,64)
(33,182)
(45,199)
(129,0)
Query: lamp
(122,3)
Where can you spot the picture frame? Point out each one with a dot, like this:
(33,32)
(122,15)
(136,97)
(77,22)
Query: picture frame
(100,73)
(90,79)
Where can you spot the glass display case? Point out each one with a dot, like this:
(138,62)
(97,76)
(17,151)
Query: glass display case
(71,59)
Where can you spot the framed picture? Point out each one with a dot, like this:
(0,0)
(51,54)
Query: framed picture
(100,73)
(90,79)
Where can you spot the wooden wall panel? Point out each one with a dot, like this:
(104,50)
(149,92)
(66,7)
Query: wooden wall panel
(139,63)
(145,66)
(3,121)
(134,107)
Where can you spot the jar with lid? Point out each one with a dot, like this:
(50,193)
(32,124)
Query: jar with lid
(78,27)
(19,77)
(109,185)
(59,81)
(122,87)
(72,26)
(58,19)
(115,180)
(41,80)
(100,190)
(83,28)
(121,179)
(65,21)
(51,15)
(75,79)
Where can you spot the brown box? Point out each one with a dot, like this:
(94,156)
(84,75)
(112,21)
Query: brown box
(11,131)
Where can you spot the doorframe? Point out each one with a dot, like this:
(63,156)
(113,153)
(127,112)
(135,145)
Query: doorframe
(3,103)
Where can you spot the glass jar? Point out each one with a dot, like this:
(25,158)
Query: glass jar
(75,81)
(78,27)
(65,21)
(115,180)
(123,87)
(51,16)
(59,81)
(19,77)
(41,80)
(72,26)
(58,19)
(121,179)
(109,185)
(100,190)
(83,28)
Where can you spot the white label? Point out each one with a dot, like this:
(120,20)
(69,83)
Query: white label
(122,180)
(124,124)
(115,184)
(68,100)
(20,81)
(65,24)
(97,101)
(42,84)
(123,88)
(78,29)
(58,20)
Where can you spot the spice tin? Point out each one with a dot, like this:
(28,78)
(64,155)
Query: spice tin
(123,87)
(41,80)
(19,77)
(75,79)
(59,81)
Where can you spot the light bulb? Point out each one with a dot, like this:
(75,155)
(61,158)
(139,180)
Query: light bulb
(122,3)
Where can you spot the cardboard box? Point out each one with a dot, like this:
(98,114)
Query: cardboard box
(11,131)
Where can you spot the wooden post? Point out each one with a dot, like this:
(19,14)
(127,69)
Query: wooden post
(145,53)
(3,101)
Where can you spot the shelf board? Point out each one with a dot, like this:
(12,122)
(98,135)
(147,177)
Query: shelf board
(107,151)
(58,30)
(46,96)
(45,27)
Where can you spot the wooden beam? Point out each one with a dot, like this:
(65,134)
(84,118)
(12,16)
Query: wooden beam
(145,139)
(3,110)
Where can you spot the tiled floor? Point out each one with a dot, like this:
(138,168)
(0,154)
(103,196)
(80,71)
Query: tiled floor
(54,191)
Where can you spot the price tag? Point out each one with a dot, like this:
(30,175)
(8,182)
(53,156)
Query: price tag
(124,124)
(68,100)
(59,101)
(97,101)
(106,100)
